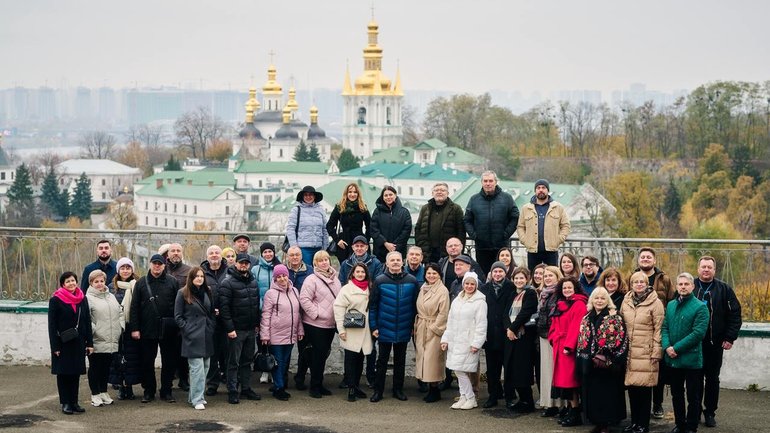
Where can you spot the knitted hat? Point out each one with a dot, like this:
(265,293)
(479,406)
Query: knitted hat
(497,264)
(266,246)
(163,250)
(471,276)
(280,270)
(543,182)
(124,261)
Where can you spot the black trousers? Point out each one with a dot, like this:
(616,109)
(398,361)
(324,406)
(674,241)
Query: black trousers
(692,379)
(494,368)
(371,363)
(354,366)
(218,364)
(525,395)
(321,341)
(302,360)
(68,386)
(240,354)
(485,258)
(660,388)
(399,365)
(550,258)
(640,400)
(712,365)
(98,372)
(169,356)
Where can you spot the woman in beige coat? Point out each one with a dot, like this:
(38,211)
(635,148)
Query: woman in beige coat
(357,342)
(643,314)
(429,326)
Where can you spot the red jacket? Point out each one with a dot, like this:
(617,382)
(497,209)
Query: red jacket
(565,327)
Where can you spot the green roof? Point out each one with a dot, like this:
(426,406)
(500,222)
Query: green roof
(220,177)
(408,171)
(521,191)
(445,154)
(184,191)
(431,143)
(332,191)
(304,167)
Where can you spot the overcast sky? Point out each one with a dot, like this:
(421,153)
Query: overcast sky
(462,46)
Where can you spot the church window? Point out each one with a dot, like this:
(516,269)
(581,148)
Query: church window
(361,115)
(280,153)
(387,115)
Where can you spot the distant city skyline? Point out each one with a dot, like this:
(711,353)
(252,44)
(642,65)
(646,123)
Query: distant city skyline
(451,46)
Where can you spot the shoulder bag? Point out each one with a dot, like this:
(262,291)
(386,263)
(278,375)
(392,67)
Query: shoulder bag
(167,326)
(285,246)
(70,334)
(354,319)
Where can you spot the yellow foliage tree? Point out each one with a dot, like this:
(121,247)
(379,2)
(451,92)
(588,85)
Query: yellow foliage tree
(634,198)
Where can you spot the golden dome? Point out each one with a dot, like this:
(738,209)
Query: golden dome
(286,115)
(292,102)
(372,81)
(251,105)
(271,86)
(313,114)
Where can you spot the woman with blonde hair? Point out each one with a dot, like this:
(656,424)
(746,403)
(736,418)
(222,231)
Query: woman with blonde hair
(545,308)
(348,220)
(229,255)
(429,327)
(107,325)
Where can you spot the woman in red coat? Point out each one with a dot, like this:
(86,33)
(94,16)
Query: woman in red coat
(563,336)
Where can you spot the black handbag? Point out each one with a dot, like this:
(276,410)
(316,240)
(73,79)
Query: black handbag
(354,319)
(265,361)
(167,327)
(70,334)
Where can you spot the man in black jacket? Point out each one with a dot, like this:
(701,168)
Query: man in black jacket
(724,324)
(103,263)
(215,270)
(490,219)
(499,294)
(239,310)
(454,249)
(152,305)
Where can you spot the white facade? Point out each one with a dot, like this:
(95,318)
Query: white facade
(371,122)
(108,178)
(225,211)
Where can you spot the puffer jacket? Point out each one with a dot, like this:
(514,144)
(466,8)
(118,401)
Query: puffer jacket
(643,327)
(490,220)
(436,225)
(317,299)
(144,317)
(372,263)
(281,322)
(393,307)
(390,224)
(557,226)
(107,321)
(239,301)
(312,226)
(263,275)
(684,327)
(466,328)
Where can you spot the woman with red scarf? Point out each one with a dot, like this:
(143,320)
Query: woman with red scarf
(71,338)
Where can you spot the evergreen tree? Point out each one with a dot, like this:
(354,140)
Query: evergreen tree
(672,203)
(64,203)
(21,204)
(81,199)
(172,164)
(347,161)
(301,154)
(312,154)
(49,195)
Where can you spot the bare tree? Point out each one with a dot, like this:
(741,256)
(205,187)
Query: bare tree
(198,129)
(409,123)
(97,145)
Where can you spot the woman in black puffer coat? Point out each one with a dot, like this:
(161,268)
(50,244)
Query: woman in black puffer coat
(128,373)
(391,224)
(351,214)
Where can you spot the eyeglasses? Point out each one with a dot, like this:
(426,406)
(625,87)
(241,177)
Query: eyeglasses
(588,265)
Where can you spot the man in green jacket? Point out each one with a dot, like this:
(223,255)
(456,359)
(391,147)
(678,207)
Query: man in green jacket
(684,327)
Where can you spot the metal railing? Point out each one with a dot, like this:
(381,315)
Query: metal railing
(32,259)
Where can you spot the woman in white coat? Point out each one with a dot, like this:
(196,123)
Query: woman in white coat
(465,334)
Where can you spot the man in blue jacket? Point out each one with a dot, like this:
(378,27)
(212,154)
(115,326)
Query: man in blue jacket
(392,309)
(103,263)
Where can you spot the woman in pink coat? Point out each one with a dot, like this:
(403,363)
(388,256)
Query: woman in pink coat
(281,325)
(563,336)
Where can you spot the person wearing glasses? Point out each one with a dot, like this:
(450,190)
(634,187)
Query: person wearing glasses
(440,219)
(589,278)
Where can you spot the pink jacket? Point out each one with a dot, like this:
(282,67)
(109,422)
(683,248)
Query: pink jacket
(281,322)
(317,299)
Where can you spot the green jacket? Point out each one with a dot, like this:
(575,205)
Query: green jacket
(684,327)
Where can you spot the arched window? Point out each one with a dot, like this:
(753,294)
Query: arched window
(361,115)
(387,116)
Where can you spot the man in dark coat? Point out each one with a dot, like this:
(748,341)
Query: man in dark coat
(151,305)
(215,271)
(454,249)
(439,220)
(103,263)
(176,268)
(724,324)
(498,292)
(239,310)
(490,220)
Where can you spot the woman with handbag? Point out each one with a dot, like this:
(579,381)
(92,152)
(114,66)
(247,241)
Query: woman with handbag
(263,274)
(602,349)
(194,313)
(317,300)
(125,370)
(429,326)
(281,326)
(519,349)
(71,339)
(347,221)
(351,308)
(107,325)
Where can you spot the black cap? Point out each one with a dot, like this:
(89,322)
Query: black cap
(242,257)
(543,182)
(266,246)
(157,258)
(465,259)
(360,238)
(241,236)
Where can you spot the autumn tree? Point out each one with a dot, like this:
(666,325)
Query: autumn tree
(409,125)
(121,216)
(636,203)
(198,129)
(221,150)
(748,206)
(135,155)
(97,145)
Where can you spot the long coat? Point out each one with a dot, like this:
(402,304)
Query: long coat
(497,309)
(429,326)
(131,349)
(519,354)
(197,323)
(107,321)
(466,328)
(390,224)
(349,298)
(565,328)
(643,327)
(350,222)
(72,359)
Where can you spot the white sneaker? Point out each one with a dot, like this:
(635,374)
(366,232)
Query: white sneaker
(469,404)
(200,406)
(205,402)
(263,378)
(96,400)
(106,398)
(460,403)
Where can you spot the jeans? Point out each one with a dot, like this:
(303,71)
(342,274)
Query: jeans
(692,379)
(308,253)
(98,372)
(169,354)
(550,258)
(282,353)
(399,365)
(240,354)
(199,367)
(712,365)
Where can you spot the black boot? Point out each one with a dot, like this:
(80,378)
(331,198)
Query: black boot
(352,394)
(575,418)
(122,393)
(433,396)
(563,413)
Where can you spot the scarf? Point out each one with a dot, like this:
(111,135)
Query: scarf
(638,298)
(328,274)
(363,285)
(546,292)
(350,206)
(71,298)
(427,287)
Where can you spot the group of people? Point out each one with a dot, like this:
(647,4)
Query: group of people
(570,328)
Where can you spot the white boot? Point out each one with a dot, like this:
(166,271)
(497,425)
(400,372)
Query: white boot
(470,403)
(263,378)
(459,403)
(96,400)
(106,398)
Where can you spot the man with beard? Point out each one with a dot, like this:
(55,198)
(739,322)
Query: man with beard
(241,243)
(439,220)
(724,324)
(543,227)
(176,268)
(591,273)
(661,283)
(215,270)
(454,249)
(490,220)
(103,263)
